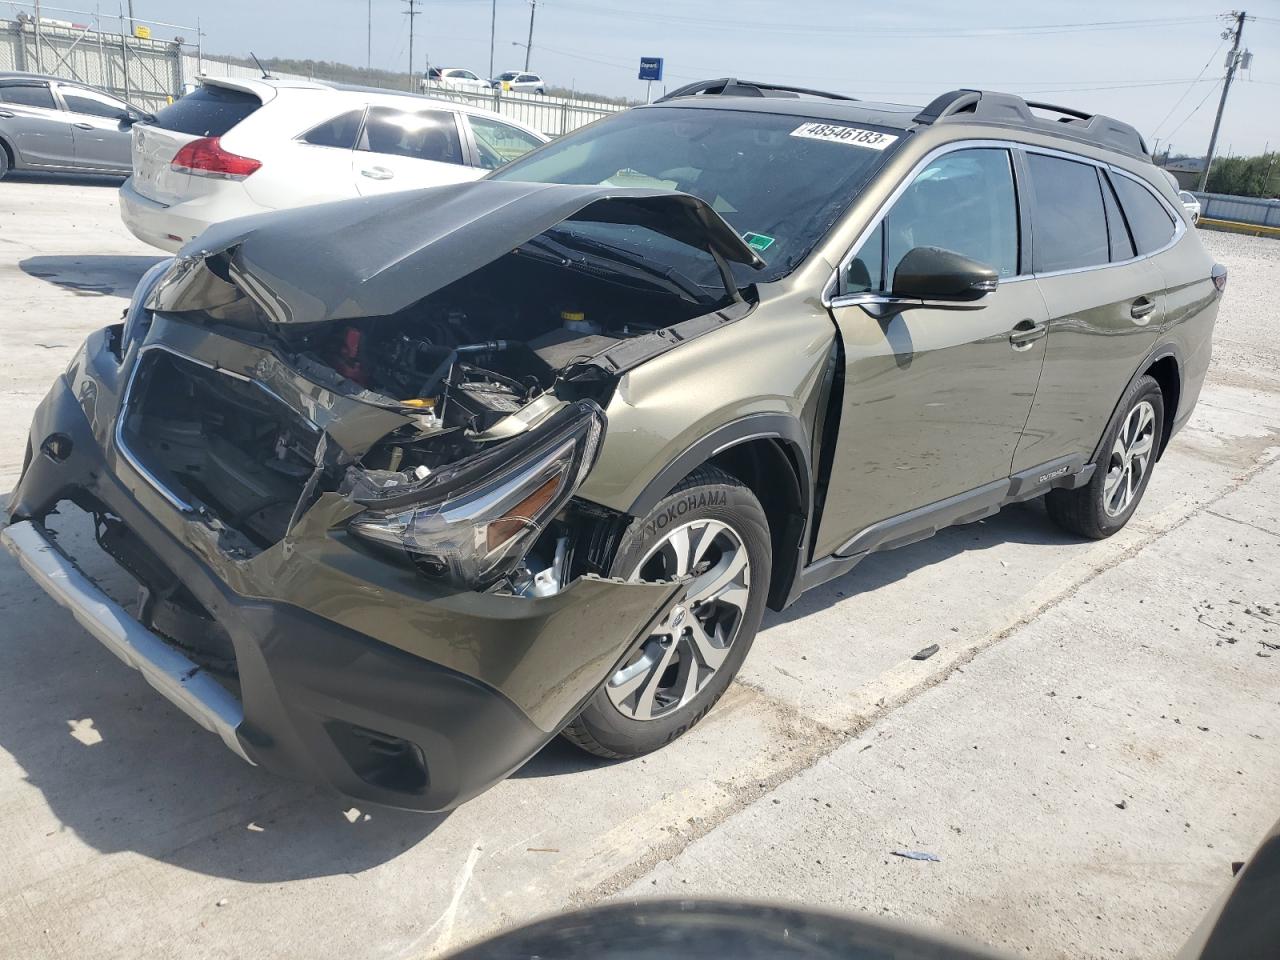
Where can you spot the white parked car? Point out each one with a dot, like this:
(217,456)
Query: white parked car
(1190,204)
(239,147)
(520,81)
(455,78)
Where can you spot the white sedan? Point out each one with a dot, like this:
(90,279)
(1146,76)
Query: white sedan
(454,78)
(1191,205)
(238,147)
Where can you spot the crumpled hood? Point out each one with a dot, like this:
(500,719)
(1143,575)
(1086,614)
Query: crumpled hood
(374,256)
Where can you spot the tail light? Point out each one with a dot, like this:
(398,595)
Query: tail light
(1219,275)
(206,158)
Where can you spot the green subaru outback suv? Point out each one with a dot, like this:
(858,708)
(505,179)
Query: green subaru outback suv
(412,483)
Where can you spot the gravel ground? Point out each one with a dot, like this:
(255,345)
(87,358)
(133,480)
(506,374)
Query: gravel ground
(1247,338)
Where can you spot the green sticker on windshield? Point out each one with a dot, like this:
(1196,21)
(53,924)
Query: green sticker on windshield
(758,241)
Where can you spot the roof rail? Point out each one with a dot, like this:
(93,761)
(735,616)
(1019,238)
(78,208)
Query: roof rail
(733,87)
(1007,109)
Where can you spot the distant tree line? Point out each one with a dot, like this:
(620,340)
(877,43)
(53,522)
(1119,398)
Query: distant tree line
(371,77)
(1246,176)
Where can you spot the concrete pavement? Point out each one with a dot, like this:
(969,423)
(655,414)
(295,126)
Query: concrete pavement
(1071,677)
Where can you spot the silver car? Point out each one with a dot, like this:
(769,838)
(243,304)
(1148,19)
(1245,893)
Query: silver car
(55,125)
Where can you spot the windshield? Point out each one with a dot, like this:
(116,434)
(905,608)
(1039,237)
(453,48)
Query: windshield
(781,181)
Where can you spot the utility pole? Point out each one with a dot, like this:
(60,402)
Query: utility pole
(412,10)
(1233,60)
(528,47)
(493,26)
(368,43)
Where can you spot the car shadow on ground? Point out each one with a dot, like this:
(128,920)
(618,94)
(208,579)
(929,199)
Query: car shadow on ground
(1017,523)
(66,179)
(126,771)
(89,275)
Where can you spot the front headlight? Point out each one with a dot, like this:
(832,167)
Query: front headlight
(137,318)
(475,533)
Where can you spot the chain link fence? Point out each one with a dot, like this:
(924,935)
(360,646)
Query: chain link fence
(152,72)
(145,72)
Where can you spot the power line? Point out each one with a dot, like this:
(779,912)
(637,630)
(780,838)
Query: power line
(896,32)
(1195,111)
(1190,87)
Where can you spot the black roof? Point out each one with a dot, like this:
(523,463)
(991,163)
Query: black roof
(968,106)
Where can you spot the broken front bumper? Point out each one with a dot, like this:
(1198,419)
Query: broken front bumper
(353,670)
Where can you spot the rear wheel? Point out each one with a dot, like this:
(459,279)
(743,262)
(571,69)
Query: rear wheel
(712,529)
(1122,468)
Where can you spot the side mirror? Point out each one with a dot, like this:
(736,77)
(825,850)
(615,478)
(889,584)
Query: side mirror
(932,273)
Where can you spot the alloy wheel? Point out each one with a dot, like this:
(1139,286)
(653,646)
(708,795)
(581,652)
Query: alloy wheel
(692,640)
(1130,458)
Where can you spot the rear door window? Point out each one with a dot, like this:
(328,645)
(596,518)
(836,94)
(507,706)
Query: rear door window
(419,135)
(92,103)
(339,132)
(28,95)
(498,143)
(1068,217)
(1151,224)
(209,111)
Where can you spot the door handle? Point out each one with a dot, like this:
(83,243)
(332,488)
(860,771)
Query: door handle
(1027,332)
(6,115)
(83,126)
(377,173)
(1142,307)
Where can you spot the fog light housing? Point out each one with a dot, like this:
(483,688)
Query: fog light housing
(57,447)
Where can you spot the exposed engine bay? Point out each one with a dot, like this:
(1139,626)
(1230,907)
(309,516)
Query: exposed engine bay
(460,420)
(489,356)
(493,357)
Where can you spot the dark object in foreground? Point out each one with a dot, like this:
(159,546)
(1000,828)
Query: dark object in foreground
(1244,925)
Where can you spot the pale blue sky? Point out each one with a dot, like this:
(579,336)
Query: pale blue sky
(905,52)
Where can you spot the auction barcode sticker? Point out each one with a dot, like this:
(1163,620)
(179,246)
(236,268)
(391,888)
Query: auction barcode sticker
(837,133)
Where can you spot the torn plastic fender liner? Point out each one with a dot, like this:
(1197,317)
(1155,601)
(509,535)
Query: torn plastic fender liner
(546,654)
(374,256)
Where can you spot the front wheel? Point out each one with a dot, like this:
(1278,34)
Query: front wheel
(712,529)
(1122,468)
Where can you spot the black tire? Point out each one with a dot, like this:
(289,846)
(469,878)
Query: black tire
(4,159)
(706,494)
(1084,511)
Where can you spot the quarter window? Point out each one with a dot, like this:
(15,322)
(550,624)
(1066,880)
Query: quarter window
(1117,229)
(28,95)
(339,132)
(1070,222)
(423,135)
(1151,224)
(963,201)
(83,101)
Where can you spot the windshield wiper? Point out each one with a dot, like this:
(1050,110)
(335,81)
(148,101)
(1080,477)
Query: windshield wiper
(673,277)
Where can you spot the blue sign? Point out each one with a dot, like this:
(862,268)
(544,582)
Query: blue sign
(650,68)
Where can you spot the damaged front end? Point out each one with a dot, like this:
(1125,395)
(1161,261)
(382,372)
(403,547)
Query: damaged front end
(339,456)
(448,379)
